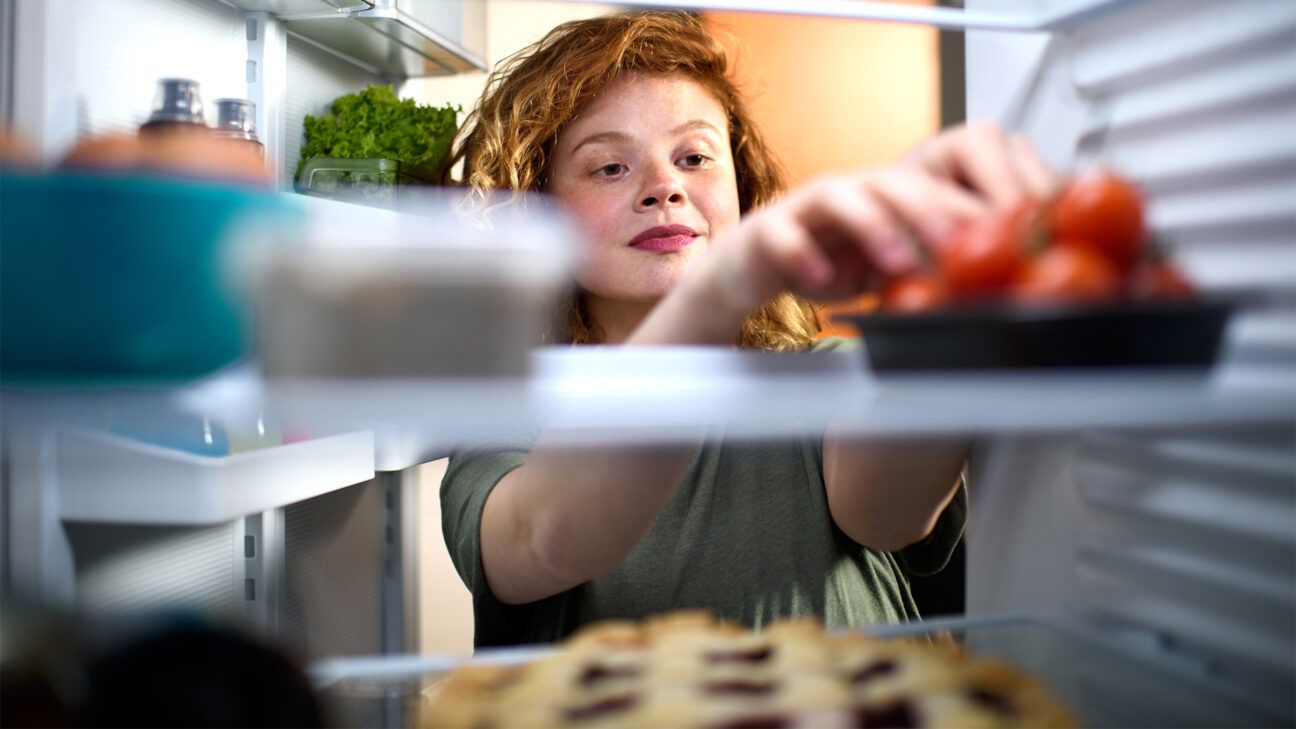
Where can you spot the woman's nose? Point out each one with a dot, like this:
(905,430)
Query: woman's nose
(662,188)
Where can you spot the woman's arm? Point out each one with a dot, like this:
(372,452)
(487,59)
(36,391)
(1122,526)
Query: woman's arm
(887,493)
(572,513)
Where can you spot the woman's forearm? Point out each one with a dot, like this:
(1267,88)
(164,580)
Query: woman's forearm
(703,309)
(573,513)
(887,493)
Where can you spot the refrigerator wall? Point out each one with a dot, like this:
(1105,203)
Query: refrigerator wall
(90,67)
(1181,543)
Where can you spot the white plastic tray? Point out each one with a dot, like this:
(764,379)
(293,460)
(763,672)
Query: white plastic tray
(109,478)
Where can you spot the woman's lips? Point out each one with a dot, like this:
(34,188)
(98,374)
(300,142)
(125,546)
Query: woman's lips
(664,239)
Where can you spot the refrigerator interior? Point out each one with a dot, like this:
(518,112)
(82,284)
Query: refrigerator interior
(1147,572)
(1107,684)
(1180,540)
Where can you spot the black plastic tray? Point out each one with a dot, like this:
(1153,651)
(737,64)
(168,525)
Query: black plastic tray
(1169,334)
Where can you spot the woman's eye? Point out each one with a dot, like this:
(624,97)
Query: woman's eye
(610,170)
(694,160)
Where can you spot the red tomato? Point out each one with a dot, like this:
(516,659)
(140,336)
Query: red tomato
(1158,280)
(914,293)
(1102,210)
(1067,273)
(983,256)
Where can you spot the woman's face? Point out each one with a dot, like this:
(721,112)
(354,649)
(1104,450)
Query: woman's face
(646,169)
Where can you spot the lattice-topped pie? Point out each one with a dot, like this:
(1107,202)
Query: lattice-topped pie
(686,670)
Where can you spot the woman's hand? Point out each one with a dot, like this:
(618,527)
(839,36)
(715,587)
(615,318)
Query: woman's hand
(998,167)
(846,234)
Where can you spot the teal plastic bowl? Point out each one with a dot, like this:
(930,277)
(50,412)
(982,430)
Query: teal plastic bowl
(109,281)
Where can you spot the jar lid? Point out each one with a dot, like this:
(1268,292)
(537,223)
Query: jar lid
(177,100)
(236,118)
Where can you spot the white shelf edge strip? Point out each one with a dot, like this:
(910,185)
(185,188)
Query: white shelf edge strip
(331,670)
(939,17)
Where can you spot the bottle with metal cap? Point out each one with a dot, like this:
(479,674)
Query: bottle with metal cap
(177,106)
(236,119)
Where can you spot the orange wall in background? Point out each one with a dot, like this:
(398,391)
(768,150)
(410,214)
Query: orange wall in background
(834,94)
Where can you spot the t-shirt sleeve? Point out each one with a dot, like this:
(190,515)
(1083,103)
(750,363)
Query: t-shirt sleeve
(930,556)
(469,479)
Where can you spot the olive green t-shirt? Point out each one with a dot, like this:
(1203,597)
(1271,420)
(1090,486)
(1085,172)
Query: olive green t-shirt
(747,536)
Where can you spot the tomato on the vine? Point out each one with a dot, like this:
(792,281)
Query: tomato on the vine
(1104,211)
(1085,245)
(983,256)
(914,293)
(1067,273)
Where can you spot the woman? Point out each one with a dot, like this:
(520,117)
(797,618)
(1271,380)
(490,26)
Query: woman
(631,122)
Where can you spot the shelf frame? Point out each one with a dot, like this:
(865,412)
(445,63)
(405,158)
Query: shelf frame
(944,18)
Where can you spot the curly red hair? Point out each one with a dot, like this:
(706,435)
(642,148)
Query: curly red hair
(507,142)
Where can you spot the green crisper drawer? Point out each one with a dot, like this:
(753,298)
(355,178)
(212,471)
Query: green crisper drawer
(370,181)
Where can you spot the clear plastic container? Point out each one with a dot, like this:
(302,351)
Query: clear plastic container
(369,181)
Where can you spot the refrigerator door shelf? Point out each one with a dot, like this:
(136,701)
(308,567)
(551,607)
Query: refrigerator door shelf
(109,478)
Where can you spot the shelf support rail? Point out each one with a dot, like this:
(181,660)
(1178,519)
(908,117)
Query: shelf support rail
(889,12)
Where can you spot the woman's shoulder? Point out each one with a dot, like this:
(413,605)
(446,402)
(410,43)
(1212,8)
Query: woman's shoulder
(836,344)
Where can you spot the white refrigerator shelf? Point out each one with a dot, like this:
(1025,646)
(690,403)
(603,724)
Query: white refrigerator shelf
(673,394)
(103,477)
(1006,15)
(1107,682)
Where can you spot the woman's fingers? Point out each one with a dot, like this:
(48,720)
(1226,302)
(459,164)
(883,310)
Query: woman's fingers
(929,206)
(790,249)
(867,224)
(848,222)
(1001,168)
(1040,180)
(977,156)
(833,236)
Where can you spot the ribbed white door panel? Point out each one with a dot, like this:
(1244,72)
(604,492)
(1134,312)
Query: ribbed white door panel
(124,46)
(1182,541)
(315,78)
(123,570)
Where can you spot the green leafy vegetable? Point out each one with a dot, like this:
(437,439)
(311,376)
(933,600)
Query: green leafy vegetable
(376,123)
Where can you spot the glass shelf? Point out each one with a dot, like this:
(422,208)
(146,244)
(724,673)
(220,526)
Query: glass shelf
(1107,684)
(391,38)
(677,394)
(303,8)
(1009,15)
